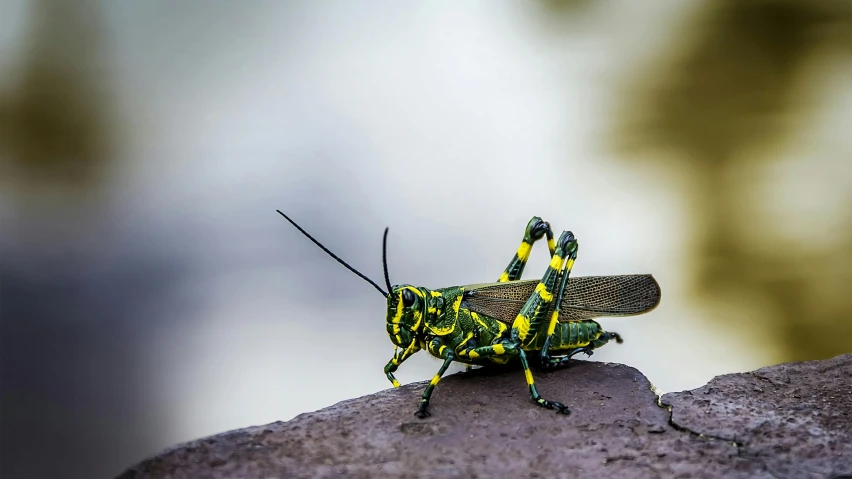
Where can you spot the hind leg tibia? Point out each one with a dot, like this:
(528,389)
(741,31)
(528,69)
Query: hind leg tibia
(536,229)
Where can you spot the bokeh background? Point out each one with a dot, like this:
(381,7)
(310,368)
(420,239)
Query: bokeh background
(151,295)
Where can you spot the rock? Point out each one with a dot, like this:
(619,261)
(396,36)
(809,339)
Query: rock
(796,418)
(792,420)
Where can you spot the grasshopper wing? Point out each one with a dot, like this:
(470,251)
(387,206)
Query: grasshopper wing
(586,297)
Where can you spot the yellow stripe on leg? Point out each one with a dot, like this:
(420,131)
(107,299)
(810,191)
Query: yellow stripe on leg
(435,380)
(499,349)
(556,262)
(542,291)
(528,374)
(503,277)
(553,320)
(524,251)
(395,383)
(551,246)
(522,323)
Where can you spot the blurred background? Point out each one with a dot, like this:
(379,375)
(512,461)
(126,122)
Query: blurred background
(151,295)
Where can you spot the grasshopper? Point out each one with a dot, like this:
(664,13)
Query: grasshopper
(508,321)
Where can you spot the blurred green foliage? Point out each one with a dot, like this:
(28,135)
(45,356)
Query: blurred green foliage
(732,90)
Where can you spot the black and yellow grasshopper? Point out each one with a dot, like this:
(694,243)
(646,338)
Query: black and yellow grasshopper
(503,322)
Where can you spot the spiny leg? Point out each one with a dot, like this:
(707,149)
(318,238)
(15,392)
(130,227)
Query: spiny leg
(571,248)
(529,322)
(552,362)
(536,229)
(603,337)
(435,347)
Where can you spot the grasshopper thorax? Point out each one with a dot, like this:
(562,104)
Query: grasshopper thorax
(407,306)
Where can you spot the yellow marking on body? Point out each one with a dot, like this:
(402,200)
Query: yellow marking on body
(443,331)
(467,338)
(435,380)
(479,320)
(556,262)
(503,277)
(499,349)
(524,251)
(395,329)
(398,339)
(528,374)
(398,316)
(441,350)
(542,291)
(435,294)
(457,303)
(395,383)
(551,246)
(419,316)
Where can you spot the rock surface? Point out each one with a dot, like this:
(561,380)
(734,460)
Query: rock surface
(792,420)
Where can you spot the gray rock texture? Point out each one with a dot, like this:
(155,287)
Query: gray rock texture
(791,420)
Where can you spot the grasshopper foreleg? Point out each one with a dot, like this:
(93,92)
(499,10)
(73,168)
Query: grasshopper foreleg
(399,356)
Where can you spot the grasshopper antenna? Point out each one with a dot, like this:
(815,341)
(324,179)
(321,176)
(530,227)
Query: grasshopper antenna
(350,268)
(385,259)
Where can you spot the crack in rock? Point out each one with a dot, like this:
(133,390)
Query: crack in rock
(483,423)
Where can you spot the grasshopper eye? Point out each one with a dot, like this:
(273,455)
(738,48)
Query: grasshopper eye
(407,297)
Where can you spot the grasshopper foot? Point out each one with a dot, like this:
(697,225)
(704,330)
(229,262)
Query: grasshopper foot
(550,363)
(568,243)
(560,408)
(587,351)
(422,413)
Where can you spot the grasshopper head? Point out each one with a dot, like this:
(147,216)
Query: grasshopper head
(405,314)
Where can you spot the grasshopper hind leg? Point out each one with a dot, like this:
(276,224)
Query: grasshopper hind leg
(532,317)
(552,362)
(536,229)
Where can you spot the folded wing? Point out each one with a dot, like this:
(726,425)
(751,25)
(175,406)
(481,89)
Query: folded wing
(586,297)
